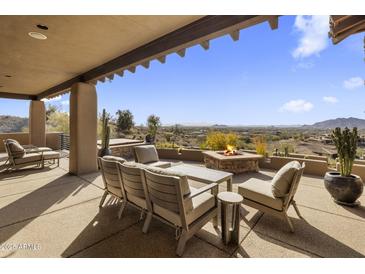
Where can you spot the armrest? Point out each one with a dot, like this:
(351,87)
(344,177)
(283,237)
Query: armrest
(29,146)
(201,190)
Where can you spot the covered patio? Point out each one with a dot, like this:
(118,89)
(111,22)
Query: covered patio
(59,214)
(54,211)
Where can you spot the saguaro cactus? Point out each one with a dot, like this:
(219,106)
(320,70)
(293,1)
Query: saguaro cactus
(105,130)
(346,144)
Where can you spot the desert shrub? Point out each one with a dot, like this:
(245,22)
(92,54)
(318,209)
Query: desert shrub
(260,144)
(218,140)
(166,145)
(286,148)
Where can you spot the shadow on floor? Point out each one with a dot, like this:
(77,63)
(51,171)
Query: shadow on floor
(24,210)
(306,238)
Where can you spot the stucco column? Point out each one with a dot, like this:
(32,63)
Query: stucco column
(37,123)
(83,129)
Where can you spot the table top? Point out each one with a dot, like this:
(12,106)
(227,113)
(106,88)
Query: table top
(202,173)
(241,156)
(230,197)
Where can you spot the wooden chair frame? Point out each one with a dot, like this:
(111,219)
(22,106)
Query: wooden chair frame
(187,230)
(288,200)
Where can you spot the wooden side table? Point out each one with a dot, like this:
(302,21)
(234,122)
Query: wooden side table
(230,216)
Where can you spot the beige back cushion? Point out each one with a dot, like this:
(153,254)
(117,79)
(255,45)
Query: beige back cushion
(184,179)
(162,189)
(146,154)
(282,180)
(15,149)
(114,158)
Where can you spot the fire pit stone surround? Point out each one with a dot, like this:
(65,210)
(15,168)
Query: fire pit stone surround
(239,162)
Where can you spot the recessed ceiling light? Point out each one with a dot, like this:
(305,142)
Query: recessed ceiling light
(37,35)
(43,27)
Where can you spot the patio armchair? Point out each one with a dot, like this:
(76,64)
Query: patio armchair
(147,154)
(111,179)
(20,156)
(274,197)
(133,188)
(172,201)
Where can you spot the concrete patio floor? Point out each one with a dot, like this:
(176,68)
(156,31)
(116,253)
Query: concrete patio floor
(59,214)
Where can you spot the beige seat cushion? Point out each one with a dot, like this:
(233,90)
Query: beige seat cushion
(38,149)
(200,205)
(160,164)
(117,191)
(28,158)
(260,192)
(114,158)
(15,149)
(146,154)
(283,178)
(48,155)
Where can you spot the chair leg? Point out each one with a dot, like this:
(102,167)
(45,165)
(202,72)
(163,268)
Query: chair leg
(181,244)
(103,199)
(147,222)
(289,222)
(296,209)
(122,207)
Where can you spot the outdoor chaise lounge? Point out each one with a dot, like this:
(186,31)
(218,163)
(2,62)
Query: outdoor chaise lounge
(20,156)
(275,196)
(174,202)
(147,154)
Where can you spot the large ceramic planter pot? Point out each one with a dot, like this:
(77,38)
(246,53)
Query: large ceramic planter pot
(344,190)
(104,151)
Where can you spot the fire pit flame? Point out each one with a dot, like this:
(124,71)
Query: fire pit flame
(230,150)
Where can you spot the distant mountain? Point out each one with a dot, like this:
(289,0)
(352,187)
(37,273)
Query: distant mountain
(340,122)
(12,123)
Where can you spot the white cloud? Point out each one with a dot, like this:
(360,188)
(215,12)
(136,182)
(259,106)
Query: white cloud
(314,35)
(296,106)
(352,83)
(54,99)
(65,103)
(330,99)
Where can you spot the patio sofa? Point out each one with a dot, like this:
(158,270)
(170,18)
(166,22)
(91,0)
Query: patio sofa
(164,195)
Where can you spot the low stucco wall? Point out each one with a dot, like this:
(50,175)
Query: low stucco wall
(23,138)
(312,167)
(357,169)
(310,157)
(185,155)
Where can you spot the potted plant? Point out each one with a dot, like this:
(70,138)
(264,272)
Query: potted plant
(344,187)
(105,135)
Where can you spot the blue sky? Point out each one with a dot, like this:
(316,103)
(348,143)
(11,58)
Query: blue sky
(293,75)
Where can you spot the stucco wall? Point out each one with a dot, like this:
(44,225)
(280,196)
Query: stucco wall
(312,167)
(23,139)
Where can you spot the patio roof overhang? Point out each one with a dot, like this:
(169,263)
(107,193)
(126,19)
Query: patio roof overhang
(95,48)
(342,26)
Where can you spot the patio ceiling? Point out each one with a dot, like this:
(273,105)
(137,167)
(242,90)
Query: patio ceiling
(342,26)
(92,48)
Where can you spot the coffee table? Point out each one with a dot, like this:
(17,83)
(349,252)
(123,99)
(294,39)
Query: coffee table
(204,175)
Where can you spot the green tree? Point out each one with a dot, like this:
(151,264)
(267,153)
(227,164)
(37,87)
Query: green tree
(50,110)
(153,123)
(58,122)
(124,121)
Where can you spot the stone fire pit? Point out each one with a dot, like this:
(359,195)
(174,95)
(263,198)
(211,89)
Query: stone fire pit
(238,163)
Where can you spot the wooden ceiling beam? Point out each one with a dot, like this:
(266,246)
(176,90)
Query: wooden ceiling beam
(205,44)
(19,96)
